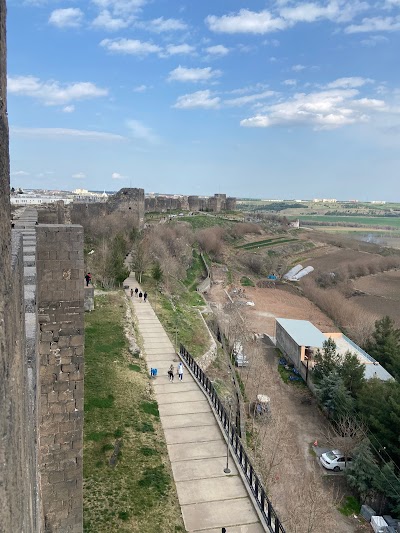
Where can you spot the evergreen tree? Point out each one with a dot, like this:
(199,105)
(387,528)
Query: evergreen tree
(326,361)
(352,373)
(363,472)
(388,483)
(384,345)
(334,396)
(378,403)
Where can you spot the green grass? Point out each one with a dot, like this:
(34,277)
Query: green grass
(350,506)
(367,221)
(246,282)
(195,273)
(181,314)
(135,368)
(204,221)
(137,494)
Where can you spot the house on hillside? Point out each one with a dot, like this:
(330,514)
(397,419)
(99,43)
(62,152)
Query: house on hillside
(299,340)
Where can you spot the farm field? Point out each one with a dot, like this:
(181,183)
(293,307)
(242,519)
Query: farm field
(265,243)
(366,221)
(381,293)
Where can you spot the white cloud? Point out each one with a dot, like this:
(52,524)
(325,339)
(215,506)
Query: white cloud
(179,49)
(218,50)
(79,176)
(286,15)
(246,21)
(117,176)
(65,133)
(374,40)
(106,21)
(121,7)
(140,131)
(199,99)
(130,46)
(70,17)
(348,83)
(322,110)
(375,24)
(52,92)
(141,88)
(249,99)
(193,74)
(19,173)
(290,83)
(161,24)
(298,68)
(69,109)
(309,12)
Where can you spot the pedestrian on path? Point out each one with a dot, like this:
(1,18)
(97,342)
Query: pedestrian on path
(180,371)
(140,295)
(145,297)
(131,293)
(171,373)
(88,279)
(136,291)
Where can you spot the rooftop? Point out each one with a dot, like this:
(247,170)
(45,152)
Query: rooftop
(303,332)
(372,368)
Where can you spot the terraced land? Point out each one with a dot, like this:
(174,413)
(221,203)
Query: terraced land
(265,243)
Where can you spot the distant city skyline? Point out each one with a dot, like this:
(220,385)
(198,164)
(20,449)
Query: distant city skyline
(287,99)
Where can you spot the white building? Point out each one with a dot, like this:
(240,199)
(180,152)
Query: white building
(34,199)
(298,340)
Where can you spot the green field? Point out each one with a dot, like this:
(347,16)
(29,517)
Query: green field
(366,221)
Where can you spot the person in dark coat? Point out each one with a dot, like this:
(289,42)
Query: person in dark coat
(145,297)
(136,292)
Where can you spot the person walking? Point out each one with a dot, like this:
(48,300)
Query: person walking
(180,371)
(145,297)
(136,292)
(171,373)
(140,296)
(131,293)
(88,277)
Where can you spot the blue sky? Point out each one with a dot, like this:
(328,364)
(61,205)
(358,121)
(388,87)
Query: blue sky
(281,99)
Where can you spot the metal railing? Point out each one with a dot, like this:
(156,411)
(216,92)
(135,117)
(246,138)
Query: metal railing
(264,503)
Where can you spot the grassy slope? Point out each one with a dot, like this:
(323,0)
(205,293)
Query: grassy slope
(138,494)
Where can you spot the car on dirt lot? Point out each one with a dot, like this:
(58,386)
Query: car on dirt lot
(335,460)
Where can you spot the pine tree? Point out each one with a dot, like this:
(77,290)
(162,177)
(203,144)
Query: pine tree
(362,474)
(384,345)
(334,396)
(352,372)
(326,361)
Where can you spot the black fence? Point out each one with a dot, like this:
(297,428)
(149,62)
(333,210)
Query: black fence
(265,505)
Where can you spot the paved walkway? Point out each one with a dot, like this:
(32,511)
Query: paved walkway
(209,498)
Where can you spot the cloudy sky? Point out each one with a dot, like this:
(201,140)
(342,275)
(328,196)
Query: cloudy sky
(281,99)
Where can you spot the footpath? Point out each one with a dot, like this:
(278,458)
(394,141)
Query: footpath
(209,498)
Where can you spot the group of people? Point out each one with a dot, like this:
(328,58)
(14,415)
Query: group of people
(139,294)
(179,372)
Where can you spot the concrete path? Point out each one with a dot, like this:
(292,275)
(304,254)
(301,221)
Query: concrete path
(209,498)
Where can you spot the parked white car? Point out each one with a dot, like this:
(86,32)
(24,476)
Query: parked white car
(335,460)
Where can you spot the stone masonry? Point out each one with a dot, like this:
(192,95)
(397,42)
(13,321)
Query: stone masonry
(60,271)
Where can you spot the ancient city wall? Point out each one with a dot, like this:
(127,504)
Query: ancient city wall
(60,296)
(16,513)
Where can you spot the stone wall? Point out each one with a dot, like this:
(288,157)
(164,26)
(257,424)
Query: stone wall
(52,213)
(60,272)
(16,505)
